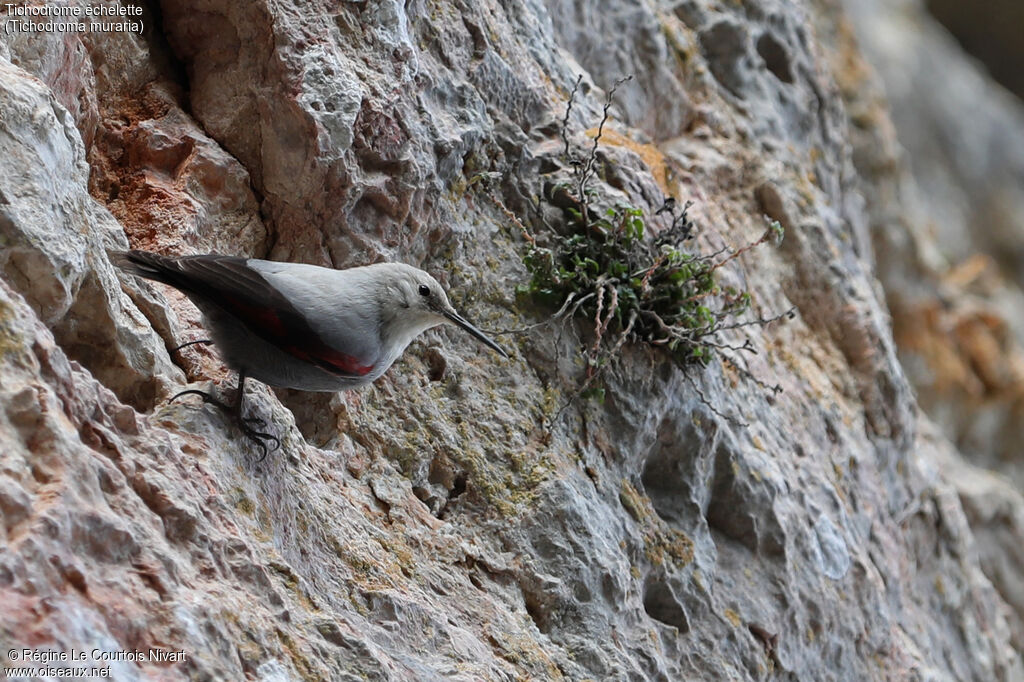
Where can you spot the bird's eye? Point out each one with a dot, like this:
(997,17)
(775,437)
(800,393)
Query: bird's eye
(424,290)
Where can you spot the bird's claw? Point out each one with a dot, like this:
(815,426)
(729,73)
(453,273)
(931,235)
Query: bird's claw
(260,439)
(207,398)
(205,342)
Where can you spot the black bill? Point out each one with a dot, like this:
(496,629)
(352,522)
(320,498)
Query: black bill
(461,321)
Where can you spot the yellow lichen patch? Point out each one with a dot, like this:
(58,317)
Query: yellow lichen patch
(650,154)
(636,504)
(365,568)
(245,505)
(673,29)
(10,343)
(294,653)
(837,484)
(404,559)
(730,372)
(525,652)
(245,644)
(662,545)
(291,581)
(733,618)
(510,489)
(549,401)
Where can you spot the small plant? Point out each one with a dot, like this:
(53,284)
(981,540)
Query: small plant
(604,267)
(652,289)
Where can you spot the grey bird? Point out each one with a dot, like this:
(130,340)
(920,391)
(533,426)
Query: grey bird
(292,325)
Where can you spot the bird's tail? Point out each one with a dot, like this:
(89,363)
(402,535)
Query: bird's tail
(149,265)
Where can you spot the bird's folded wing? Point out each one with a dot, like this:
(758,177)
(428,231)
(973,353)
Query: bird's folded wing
(229,283)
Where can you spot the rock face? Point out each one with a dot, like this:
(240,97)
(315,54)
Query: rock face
(957,309)
(451,522)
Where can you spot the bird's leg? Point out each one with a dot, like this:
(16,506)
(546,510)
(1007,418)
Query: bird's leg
(243,423)
(237,410)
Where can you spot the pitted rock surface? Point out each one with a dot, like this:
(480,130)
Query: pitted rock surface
(441,524)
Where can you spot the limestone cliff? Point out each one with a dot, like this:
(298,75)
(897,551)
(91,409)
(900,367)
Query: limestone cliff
(441,524)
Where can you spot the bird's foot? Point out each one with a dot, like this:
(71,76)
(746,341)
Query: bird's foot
(259,437)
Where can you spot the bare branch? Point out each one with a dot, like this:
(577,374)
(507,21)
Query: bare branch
(568,110)
(707,403)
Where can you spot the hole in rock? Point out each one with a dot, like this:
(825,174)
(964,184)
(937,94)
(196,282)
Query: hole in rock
(537,611)
(663,606)
(775,57)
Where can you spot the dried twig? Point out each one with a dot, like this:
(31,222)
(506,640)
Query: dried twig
(707,403)
(568,110)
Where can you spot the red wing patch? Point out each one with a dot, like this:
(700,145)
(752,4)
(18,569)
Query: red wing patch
(303,344)
(266,318)
(329,359)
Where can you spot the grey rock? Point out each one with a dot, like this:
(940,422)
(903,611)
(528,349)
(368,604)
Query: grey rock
(692,526)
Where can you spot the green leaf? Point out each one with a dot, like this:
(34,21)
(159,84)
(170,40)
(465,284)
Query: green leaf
(680,275)
(638,227)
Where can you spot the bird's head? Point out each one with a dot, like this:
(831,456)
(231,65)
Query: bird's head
(419,302)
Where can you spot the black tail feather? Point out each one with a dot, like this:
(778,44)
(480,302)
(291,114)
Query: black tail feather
(149,265)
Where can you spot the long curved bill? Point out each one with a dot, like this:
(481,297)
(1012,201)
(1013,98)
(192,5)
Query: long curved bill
(462,322)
